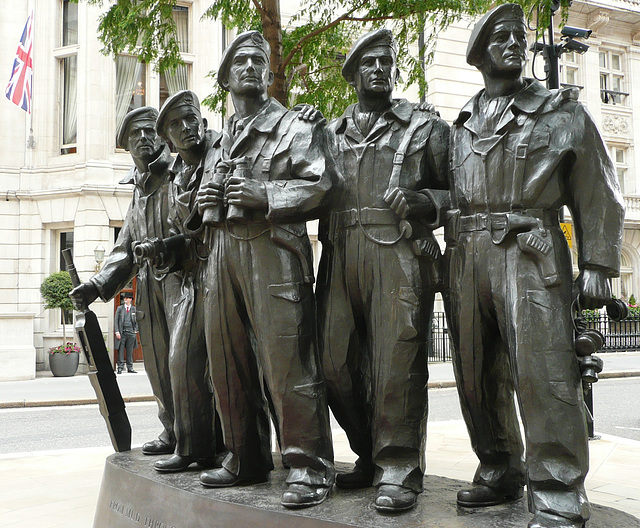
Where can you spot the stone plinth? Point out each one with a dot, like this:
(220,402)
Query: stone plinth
(17,353)
(133,495)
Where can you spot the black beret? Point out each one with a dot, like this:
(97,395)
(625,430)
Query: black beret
(378,37)
(252,39)
(178,99)
(146,113)
(484,26)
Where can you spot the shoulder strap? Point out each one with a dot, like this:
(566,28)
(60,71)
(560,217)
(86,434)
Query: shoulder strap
(398,157)
(521,159)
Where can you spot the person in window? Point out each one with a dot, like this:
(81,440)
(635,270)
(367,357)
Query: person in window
(126,328)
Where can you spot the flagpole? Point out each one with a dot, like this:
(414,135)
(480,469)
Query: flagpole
(31,144)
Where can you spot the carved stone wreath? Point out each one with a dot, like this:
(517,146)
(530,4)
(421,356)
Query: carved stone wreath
(615,124)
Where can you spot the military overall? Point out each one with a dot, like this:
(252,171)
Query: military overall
(514,164)
(196,423)
(155,294)
(260,306)
(376,289)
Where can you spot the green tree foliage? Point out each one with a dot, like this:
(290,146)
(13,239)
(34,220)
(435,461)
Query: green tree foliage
(307,55)
(55,292)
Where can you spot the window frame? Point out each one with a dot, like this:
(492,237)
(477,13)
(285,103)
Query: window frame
(623,166)
(61,53)
(571,61)
(609,95)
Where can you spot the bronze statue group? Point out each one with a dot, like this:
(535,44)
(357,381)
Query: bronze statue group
(235,336)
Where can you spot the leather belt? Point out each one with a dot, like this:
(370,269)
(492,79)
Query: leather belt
(368,216)
(498,221)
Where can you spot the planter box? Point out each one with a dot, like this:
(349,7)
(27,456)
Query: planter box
(64,365)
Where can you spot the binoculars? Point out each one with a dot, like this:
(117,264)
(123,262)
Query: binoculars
(617,310)
(588,341)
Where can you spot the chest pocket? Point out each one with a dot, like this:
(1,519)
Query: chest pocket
(539,139)
(417,144)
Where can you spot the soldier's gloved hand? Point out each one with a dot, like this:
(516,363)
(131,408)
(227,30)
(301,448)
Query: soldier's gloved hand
(82,296)
(426,107)
(405,202)
(245,192)
(309,113)
(594,289)
(209,194)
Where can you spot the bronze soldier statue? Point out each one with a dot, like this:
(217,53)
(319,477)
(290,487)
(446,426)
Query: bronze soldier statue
(519,153)
(156,293)
(259,301)
(378,275)
(198,438)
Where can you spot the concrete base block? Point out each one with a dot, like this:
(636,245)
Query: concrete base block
(17,353)
(134,495)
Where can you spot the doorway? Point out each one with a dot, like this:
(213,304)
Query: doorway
(117,301)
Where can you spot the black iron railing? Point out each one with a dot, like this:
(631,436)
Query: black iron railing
(623,336)
(439,346)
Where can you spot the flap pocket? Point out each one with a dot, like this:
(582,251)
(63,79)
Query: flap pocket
(541,298)
(417,145)
(289,291)
(283,230)
(564,391)
(410,295)
(539,139)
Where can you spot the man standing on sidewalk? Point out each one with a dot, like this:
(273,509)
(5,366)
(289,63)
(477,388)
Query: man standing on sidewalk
(156,293)
(126,328)
(519,153)
(378,275)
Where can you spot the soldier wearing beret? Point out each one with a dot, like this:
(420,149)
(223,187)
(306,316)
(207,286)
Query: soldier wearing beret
(196,425)
(519,153)
(260,320)
(378,275)
(146,218)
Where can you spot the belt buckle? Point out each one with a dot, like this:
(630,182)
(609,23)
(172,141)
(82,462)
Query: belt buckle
(498,221)
(499,227)
(482,221)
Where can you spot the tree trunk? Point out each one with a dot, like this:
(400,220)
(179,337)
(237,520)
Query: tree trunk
(272,29)
(64,329)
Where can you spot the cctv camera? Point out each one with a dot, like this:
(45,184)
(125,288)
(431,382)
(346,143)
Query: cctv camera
(574,32)
(574,45)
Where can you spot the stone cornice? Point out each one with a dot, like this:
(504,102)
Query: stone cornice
(121,191)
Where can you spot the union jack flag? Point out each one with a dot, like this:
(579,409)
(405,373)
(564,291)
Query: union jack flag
(19,88)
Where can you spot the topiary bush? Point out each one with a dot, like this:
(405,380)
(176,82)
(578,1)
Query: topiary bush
(55,291)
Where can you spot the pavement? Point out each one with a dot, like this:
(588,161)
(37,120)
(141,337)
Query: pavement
(56,489)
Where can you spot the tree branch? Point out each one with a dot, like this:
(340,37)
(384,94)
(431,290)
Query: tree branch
(259,8)
(344,18)
(298,45)
(374,19)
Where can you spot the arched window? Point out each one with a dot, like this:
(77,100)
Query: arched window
(622,286)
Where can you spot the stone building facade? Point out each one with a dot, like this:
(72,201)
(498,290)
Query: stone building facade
(60,167)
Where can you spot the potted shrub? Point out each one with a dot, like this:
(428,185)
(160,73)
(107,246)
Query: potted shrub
(63,359)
